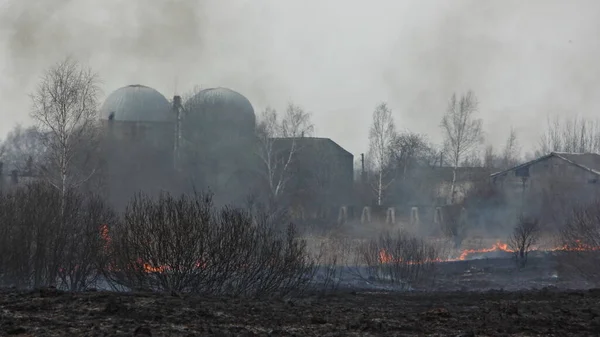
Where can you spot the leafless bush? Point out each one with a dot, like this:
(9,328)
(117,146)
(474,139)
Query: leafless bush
(400,259)
(84,242)
(525,234)
(185,244)
(580,240)
(38,247)
(332,253)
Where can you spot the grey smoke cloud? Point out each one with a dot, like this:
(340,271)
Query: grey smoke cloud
(338,59)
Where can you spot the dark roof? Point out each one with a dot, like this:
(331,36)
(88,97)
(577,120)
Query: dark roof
(312,142)
(444,173)
(585,161)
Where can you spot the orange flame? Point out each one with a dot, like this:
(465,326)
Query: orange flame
(105,235)
(497,247)
(385,257)
(578,247)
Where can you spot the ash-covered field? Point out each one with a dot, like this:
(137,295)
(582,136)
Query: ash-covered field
(495,313)
(482,297)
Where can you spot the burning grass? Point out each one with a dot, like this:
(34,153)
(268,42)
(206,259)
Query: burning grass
(184,244)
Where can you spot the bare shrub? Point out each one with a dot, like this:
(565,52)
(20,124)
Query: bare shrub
(580,240)
(29,222)
(399,259)
(185,244)
(331,257)
(39,247)
(82,258)
(525,234)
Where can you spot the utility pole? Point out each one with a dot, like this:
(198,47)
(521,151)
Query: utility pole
(362,172)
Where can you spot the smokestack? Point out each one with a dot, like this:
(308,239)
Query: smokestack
(177,107)
(362,172)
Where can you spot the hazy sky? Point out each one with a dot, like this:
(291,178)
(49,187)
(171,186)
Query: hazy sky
(524,59)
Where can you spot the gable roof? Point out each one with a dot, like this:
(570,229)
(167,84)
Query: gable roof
(586,161)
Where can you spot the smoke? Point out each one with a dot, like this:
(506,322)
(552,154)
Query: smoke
(336,58)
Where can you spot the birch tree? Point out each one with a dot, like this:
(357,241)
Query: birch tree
(64,105)
(512,151)
(381,141)
(462,131)
(278,141)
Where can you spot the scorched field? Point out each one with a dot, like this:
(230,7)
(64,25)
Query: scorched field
(545,312)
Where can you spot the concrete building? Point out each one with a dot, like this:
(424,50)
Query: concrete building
(320,177)
(138,142)
(217,143)
(551,184)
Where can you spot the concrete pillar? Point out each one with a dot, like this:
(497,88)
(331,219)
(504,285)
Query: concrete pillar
(437,216)
(390,217)
(414,216)
(343,215)
(366,215)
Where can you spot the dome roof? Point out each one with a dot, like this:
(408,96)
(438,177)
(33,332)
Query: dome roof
(136,103)
(224,105)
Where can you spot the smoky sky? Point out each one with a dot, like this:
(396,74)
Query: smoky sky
(337,58)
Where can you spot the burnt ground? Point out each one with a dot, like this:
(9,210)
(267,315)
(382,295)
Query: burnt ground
(521,303)
(496,313)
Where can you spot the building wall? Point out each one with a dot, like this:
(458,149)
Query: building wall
(547,175)
(442,190)
(138,156)
(321,178)
(548,189)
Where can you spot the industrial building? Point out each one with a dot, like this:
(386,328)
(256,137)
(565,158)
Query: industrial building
(207,142)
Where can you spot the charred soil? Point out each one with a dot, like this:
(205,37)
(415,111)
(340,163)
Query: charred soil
(50,312)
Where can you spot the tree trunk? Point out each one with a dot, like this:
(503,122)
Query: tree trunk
(380,188)
(452,185)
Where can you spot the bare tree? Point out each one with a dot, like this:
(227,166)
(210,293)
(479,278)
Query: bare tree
(381,141)
(278,145)
(65,106)
(462,131)
(472,159)
(489,157)
(525,234)
(410,150)
(512,151)
(579,237)
(23,149)
(411,162)
(573,134)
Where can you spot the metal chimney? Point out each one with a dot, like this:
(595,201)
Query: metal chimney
(177,107)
